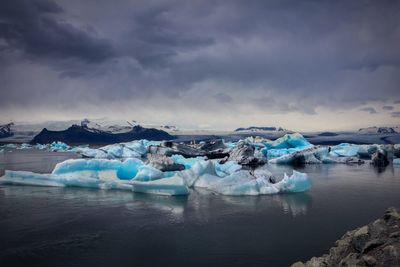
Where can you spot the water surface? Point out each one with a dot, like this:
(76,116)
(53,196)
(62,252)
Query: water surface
(80,227)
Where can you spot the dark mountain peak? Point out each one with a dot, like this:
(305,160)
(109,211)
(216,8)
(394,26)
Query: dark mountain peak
(76,134)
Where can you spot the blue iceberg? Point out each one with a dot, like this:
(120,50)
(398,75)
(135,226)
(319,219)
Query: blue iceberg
(344,150)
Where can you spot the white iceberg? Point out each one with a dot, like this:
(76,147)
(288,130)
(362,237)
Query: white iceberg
(243,183)
(171,186)
(63,180)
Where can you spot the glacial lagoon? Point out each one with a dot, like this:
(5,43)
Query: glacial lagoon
(79,227)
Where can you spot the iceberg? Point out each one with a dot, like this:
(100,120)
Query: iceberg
(40,146)
(243,183)
(187,162)
(286,145)
(99,168)
(171,186)
(87,152)
(226,168)
(59,146)
(294,140)
(24,146)
(297,182)
(172,175)
(304,156)
(344,150)
(148,173)
(276,153)
(54,180)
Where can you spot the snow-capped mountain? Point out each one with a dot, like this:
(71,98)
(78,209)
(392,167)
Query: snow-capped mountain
(379,130)
(260,129)
(6,130)
(102,125)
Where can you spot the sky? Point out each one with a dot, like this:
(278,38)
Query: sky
(302,65)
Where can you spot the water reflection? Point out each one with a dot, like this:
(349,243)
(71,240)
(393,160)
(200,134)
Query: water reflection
(174,205)
(205,202)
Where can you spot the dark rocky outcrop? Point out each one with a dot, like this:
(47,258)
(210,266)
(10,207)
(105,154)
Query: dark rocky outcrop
(163,163)
(82,135)
(244,155)
(380,158)
(169,148)
(376,244)
(5,130)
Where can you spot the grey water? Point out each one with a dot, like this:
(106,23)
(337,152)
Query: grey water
(44,226)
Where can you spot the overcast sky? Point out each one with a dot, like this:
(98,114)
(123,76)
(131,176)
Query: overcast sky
(302,65)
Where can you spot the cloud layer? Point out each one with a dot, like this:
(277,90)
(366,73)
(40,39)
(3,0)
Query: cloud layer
(158,60)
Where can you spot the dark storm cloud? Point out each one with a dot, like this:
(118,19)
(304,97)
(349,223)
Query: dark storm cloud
(272,56)
(370,110)
(36,27)
(387,107)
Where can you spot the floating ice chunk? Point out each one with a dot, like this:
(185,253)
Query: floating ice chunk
(297,182)
(366,151)
(129,169)
(276,153)
(30,178)
(263,173)
(90,152)
(344,150)
(10,146)
(148,173)
(230,144)
(295,140)
(78,165)
(113,151)
(99,168)
(24,146)
(396,161)
(198,169)
(59,146)
(171,186)
(238,183)
(140,147)
(40,146)
(187,162)
(305,156)
(205,180)
(243,183)
(227,168)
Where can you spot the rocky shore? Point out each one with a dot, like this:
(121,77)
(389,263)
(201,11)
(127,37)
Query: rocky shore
(375,244)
